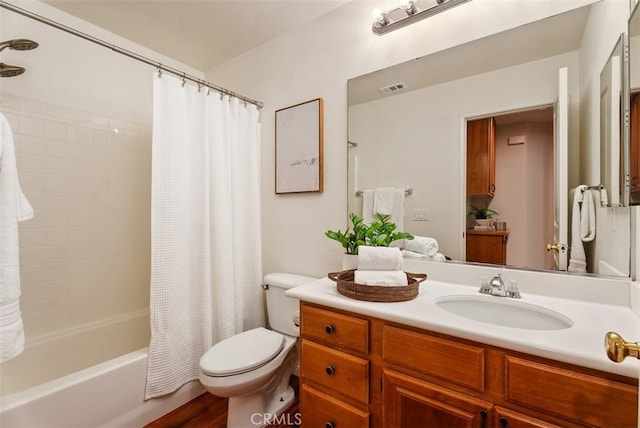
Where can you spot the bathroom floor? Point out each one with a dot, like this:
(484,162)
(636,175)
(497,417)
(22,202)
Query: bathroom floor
(209,411)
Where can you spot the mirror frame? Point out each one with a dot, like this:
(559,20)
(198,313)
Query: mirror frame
(630,197)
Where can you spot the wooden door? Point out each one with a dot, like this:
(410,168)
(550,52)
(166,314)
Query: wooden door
(481,159)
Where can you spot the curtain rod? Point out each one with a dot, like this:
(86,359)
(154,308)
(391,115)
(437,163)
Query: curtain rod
(126,52)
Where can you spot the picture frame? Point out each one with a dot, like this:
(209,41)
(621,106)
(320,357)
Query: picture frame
(299,148)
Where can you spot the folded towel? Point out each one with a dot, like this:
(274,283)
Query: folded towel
(422,244)
(437,257)
(379,258)
(380,277)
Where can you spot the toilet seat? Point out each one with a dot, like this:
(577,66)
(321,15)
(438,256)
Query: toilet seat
(242,353)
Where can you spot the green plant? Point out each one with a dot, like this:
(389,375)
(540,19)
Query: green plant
(380,233)
(482,213)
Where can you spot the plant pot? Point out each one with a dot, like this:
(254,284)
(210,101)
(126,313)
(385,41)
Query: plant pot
(485,222)
(349,261)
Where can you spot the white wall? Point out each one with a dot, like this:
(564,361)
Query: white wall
(316,61)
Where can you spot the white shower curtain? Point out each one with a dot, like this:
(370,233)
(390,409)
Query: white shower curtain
(205,219)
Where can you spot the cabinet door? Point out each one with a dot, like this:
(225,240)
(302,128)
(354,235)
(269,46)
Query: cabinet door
(486,248)
(634,143)
(481,159)
(411,402)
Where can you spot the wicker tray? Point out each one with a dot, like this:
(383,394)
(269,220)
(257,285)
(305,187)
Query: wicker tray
(377,293)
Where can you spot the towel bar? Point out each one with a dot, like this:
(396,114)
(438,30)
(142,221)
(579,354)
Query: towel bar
(407,192)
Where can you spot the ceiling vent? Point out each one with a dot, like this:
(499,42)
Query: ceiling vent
(393,88)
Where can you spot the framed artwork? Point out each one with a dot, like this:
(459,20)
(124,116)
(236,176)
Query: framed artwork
(299,134)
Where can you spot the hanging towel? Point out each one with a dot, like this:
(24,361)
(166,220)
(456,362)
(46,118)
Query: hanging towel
(587,217)
(367,206)
(578,259)
(14,207)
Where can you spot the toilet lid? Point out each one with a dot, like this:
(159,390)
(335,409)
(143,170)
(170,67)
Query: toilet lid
(242,352)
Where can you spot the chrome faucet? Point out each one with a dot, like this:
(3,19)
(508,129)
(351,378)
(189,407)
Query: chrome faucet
(496,287)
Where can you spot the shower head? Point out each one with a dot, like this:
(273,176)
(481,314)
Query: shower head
(19,45)
(7,70)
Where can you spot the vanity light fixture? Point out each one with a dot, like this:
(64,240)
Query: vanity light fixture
(408,13)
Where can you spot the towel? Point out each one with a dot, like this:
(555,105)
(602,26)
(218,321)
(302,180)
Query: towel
(384,200)
(578,259)
(587,217)
(437,257)
(14,207)
(604,199)
(380,277)
(422,244)
(379,258)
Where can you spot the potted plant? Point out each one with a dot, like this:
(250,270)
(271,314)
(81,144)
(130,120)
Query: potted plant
(380,233)
(483,216)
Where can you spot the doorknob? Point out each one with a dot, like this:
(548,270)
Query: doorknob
(618,349)
(554,247)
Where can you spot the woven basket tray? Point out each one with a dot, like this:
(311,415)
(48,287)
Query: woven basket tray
(377,293)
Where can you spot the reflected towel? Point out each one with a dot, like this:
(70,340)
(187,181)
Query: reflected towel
(578,260)
(380,258)
(437,257)
(380,277)
(422,244)
(587,217)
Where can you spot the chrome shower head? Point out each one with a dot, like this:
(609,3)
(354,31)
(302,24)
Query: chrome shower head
(19,45)
(7,70)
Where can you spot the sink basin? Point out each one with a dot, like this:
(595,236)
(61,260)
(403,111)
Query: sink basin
(504,312)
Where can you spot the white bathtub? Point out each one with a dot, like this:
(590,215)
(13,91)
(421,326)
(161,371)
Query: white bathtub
(110,394)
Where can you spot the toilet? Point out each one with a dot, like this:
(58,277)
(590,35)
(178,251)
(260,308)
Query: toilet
(253,368)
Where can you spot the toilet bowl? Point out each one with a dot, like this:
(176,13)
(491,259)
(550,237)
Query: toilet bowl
(253,368)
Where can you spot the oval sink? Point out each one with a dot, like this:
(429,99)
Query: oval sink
(504,312)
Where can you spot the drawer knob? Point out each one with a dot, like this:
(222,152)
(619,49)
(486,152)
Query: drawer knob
(329,329)
(329,424)
(330,370)
(618,348)
(503,422)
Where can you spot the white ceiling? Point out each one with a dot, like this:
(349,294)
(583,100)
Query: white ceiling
(199,33)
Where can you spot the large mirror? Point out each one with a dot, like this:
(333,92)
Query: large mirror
(409,128)
(634,107)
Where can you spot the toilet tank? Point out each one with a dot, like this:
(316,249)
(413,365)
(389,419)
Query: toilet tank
(283,311)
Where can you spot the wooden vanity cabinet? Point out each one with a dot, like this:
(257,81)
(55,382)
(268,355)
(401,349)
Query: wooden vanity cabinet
(634,143)
(481,157)
(404,377)
(487,246)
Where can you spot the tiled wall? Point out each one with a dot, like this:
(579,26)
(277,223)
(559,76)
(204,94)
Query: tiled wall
(85,257)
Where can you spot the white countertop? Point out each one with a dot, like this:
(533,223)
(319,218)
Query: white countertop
(581,344)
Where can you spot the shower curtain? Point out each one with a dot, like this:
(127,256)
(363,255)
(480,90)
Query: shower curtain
(205,219)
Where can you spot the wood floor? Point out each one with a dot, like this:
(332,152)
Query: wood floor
(209,411)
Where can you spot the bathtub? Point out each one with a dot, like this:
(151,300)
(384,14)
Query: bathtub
(110,394)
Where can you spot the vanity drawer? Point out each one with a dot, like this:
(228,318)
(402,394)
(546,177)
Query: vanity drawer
(571,395)
(321,410)
(338,330)
(343,373)
(449,360)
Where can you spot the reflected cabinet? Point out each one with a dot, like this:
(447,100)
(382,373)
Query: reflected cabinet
(481,157)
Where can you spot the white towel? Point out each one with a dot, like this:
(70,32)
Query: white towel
(437,257)
(604,199)
(14,207)
(384,200)
(379,258)
(578,259)
(380,277)
(422,244)
(367,206)
(587,217)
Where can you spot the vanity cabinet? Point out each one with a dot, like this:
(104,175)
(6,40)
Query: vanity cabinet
(487,246)
(406,377)
(481,157)
(634,143)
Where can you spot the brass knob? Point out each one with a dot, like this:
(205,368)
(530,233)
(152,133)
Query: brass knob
(618,349)
(554,247)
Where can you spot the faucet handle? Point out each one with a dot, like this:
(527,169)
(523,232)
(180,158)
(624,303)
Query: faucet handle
(485,285)
(512,289)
